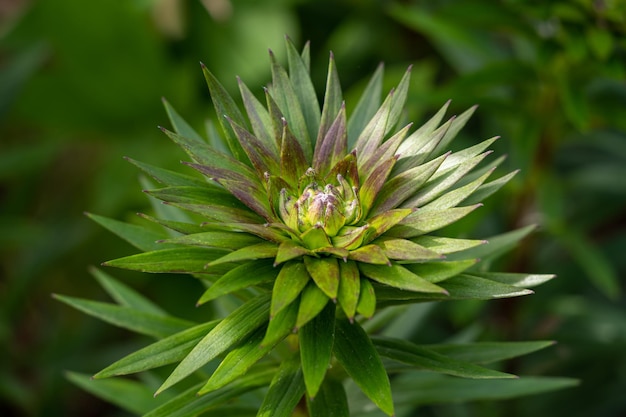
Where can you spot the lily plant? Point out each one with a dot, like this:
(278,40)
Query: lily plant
(304,222)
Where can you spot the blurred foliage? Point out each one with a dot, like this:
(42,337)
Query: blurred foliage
(80,87)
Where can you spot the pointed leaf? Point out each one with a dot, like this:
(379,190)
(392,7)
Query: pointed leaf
(259,118)
(293,159)
(349,288)
(244,276)
(399,277)
(405,250)
(497,245)
(164,352)
(355,351)
(185,260)
(423,358)
(440,271)
(312,301)
(419,223)
(515,279)
(373,184)
(333,99)
(286,390)
(264,158)
(223,240)
(417,139)
(261,250)
(289,283)
(454,197)
(316,346)
(445,245)
(179,124)
(370,254)
(289,250)
(489,188)
(331,147)
(366,106)
(331,400)
(238,325)
(325,273)
(367,299)
(458,124)
(138,236)
(282,324)
(138,321)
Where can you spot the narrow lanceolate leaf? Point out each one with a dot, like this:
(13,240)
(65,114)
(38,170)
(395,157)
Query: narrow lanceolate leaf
(497,245)
(221,213)
(367,299)
(282,91)
(402,186)
(486,190)
(304,90)
(293,160)
(399,277)
(331,400)
(184,260)
(238,325)
(373,184)
(325,273)
(289,283)
(366,107)
(488,352)
(209,193)
(138,321)
(383,152)
(237,362)
(452,198)
(333,99)
(259,118)
(465,155)
(381,223)
(431,141)
(354,350)
(263,157)
(173,225)
(282,324)
(445,245)
(440,271)
(164,352)
(331,147)
(423,358)
(405,250)
(124,295)
(289,250)
(225,105)
(515,279)
(179,124)
(419,223)
(140,237)
(316,346)
(370,254)
(286,390)
(261,250)
(238,278)
(349,288)
(167,177)
(222,240)
(455,127)
(312,301)
(417,140)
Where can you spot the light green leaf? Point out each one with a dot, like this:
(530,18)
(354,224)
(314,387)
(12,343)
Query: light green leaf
(423,358)
(366,305)
(486,190)
(312,301)
(140,237)
(289,283)
(259,118)
(445,245)
(399,277)
(125,295)
(405,250)
(167,177)
(316,346)
(185,260)
(370,254)
(419,223)
(454,197)
(239,324)
(243,276)
(333,99)
(286,390)
(356,353)
(514,279)
(169,350)
(325,273)
(222,240)
(289,250)
(488,352)
(440,271)
(416,141)
(496,246)
(349,288)
(138,321)
(262,250)
(331,400)
(132,396)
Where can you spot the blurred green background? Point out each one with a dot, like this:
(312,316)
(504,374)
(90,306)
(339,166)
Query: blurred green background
(81,86)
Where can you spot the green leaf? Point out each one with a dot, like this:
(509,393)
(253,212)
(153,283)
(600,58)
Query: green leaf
(325,273)
(289,283)
(496,246)
(419,223)
(259,118)
(486,190)
(221,240)
(454,197)
(423,358)
(316,346)
(243,276)
(331,400)
(356,353)
(239,324)
(488,352)
(176,226)
(405,250)
(124,295)
(225,105)
(440,271)
(333,99)
(289,250)
(138,321)
(399,277)
(370,254)
(421,388)
(184,260)
(132,396)
(416,141)
(168,350)
(445,245)
(167,177)
(138,236)
(261,250)
(349,288)
(238,361)
(312,301)
(281,324)
(188,404)
(514,279)
(366,305)
(286,390)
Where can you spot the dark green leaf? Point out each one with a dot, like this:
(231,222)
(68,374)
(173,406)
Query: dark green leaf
(316,346)
(289,283)
(349,288)
(325,273)
(185,260)
(261,250)
(312,301)
(399,277)
(331,400)
(286,390)
(138,236)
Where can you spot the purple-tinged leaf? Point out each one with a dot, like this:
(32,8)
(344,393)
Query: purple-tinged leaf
(261,230)
(312,302)
(373,184)
(405,250)
(384,152)
(293,160)
(381,223)
(331,148)
(325,273)
(416,141)
(170,178)
(221,213)
(264,158)
(366,305)
(208,193)
(340,253)
(282,324)
(315,238)
(252,196)
(347,168)
(371,254)
(373,134)
(259,118)
(350,237)
(333,99)
(399,277)
(262,250)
